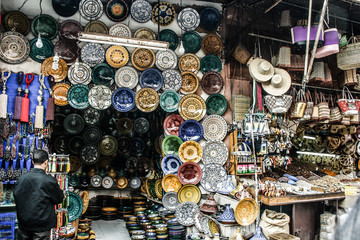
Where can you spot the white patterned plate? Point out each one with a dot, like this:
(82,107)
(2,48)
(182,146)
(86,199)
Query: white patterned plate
(212,177)
(126,77)
(141,11)
(215,128)
(92,54)
(100,97)
(120,30)
(79,73)
(170,201)
(107,182)
(91,9)
(166,59)
(172,80)
(188,19)
(215,152)
(185,213)
(96,181)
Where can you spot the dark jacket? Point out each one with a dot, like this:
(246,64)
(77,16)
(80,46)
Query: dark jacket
(35,194)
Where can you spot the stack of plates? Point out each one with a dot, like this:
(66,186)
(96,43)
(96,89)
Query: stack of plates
(176,230)
(124,211)
(93,212)
(105,201)
(109,213)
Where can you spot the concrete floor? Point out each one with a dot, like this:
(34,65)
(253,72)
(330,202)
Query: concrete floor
(110,230)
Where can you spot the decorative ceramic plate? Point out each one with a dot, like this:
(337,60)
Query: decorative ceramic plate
(78,96)
(166,59)
(191,130)
(147,100)
(214,228)
(141,125)
(91,9)
(188,19)
(117,56)
(145,33)
(212,177)
(163,14)
(189,62)
(246,211)
(141,11)
(135,182)
(190,83)
(123,99)
(107,182)
(124,146)
(212,82)
(215,128)
(172,80)
(168,35)
(68,50)
(92,54)
(117,10)
(210,19)
(96,27)
(204,221)
(92,135)
(126,77)
(215,152)
(100,97)
(170,164)
(59,74)
(70,29)
(75,206)
(74,123)
(15,48)
(169,101)
(170,183)
(171,145)
(151,78)
(158,189)
(17,20)
(211,63)
(108,146)
(103,74)
(137,147)
(124,126)
(75,163)
(189,193)
(120,30)
(185,213)
(84,195)
(170,201)
(40,54)
(190,151)
(60,91)
(189,173)
(193,107)
(89,154)
(122,182)
(172,124)
(216,104)
(65,8)
(79,73)
(75,144)
(212,44)
(46,25)
(96,180)
(143,58)
(191,41)
(91,116)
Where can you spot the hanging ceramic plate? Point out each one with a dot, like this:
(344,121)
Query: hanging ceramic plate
(91,9)
(17,20)
(60,91)
(189,173)
(143,58)
(141,11)
(151,78)
(96,180)
(191,41)
(126,77)
(117,56)
(15,48)
(216,104)
(170,201)
(170,183)
(120,30)
(170,164)
(172,124)
(123,99)
(79,73)
(212,177)
(189,193)
(141,125)
(168,35)
(163,14)
(190,151)
(215,128)
(166,59)
(91,116)
(117,10)
(96,27)
(215,152)
(89,154)
(147,99)
(214,228)
(108,146)
(59,74)
(40,54)
(65,8)
(211,63)
(121,182)
(212,44)
(210,19)
(92,135)
(171,145)
(137,147)
(78,96)
(191,130)
(107,182)
(190,83)
(135,182)
(172,80)
(103,74)
(100,97)
(212,82)
(73,123)
(68,50)
(158,189)
(192,107)
(46,25)
(169,101)
(75,163)
(124,147)
(75,206)
(185,213)
(246,211)
(189,62)
(75,144)
(70,29)
(188,19)
(124,126)
(145,33)
(92,54)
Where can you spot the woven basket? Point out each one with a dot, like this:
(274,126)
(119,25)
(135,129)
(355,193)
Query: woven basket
(349,56)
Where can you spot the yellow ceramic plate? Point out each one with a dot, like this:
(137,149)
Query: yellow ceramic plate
(85,199)
(170,183)
(190,83)
(147,187)
(214,228)
(189,193)
(246,212)
(145,33)
(60,91)
(117,56)
(121,182)
(190,151)
(158,189)
(193,107)
(189,62)
(143,58)
(59,74)
(147,100)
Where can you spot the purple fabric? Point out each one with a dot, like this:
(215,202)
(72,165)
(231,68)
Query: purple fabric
(331,37)
(299,33)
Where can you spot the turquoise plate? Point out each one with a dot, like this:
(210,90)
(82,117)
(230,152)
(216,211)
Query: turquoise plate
(191,41)
(169,36)
(78,96)
(171,144)
(169,101)
(40,54)
(103,74)
(216,104)
(75,206)
(210,63)
(46,25)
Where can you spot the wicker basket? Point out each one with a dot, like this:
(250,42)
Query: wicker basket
(349,56)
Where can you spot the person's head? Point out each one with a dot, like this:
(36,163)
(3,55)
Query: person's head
(40,158)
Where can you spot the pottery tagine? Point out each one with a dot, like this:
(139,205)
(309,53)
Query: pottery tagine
(209,206)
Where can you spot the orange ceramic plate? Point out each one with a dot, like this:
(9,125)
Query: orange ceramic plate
(60,91)
(190,83)
(170,183)
(143,58)
(246,211)
(117,56)
(59,74)
(189,62)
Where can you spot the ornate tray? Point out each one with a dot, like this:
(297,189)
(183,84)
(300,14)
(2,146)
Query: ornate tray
(123,99)
(107,182)
(212,44)
(188,19)
(89,154)
(141,125)
(96,180)
(96,27)
(126,77)
(158,189)
(192,107)
(215,128)
(172,124)
(147,100)
(191,41)
(145,33)
(212,177)
(172,80)
(143,58)
(91,116)
(189,193)
(46,25)
(191,130)
(40,54)
(190,151)
(100,97)
(79,73)
(166,59)
(190,83)
(189,173)
(59,74)
(170,183)
(91,9)
(210,19)
(246,211)
(60,91)
(17,20)
(151,78)
(185,213)
(141,11)
(168,35)
(117,10)
(65,8)
(108,146)
(92,135)
(75,206)
(170,164)
(212,82)
(117,56)
(70,29)
(68,50)
(171,145)
(189,62)
(216,104)
(92,54)
(170,201)
(163,14)
(124,126)
(169,101)
(135,182)
(15,48)
(103,74)
(78,96)
(120,30)
(215,152)
(211,63)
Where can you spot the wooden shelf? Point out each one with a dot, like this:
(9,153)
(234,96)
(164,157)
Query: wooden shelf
(102,188)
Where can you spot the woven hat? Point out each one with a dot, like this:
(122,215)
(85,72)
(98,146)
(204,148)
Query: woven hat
(279,83)
(261,70)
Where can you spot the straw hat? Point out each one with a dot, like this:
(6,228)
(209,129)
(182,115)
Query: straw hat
(279,84)
(261,70)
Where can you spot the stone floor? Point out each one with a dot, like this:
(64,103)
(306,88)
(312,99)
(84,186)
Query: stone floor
(110,230)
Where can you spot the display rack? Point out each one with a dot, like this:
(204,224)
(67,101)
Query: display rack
(7,225)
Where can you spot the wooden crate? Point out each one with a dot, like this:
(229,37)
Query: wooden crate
(282,236)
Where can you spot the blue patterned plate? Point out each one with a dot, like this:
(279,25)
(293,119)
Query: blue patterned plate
(170,164)
(75,206)
(172,80)
(123,99)
(103,74)
(141,11)
(78,96)
(135,182)
(210,19)
(191,130)
(169,101)
(92,54)
(151,78)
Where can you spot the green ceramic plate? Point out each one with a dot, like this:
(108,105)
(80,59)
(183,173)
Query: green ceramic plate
(191,41)
(46,25)
(40,54)
(103,74)
(78,96)
(171,145)
(169,101)
(170,36)
(75,206)
(216,104)
(210,63)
